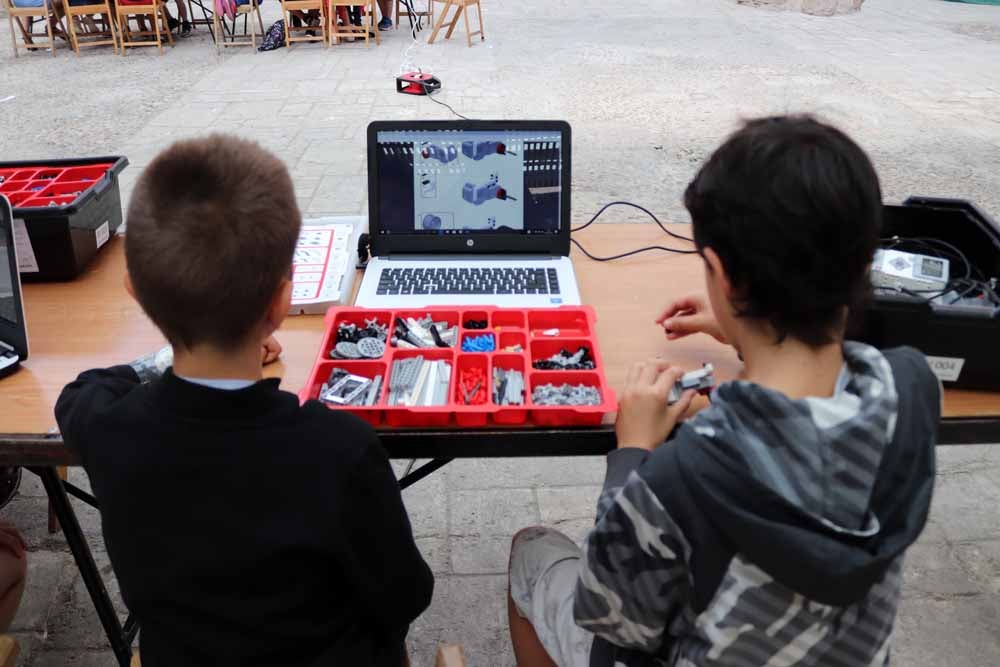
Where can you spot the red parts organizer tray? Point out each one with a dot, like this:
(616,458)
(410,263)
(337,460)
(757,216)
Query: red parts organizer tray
(532,329)
(70,208)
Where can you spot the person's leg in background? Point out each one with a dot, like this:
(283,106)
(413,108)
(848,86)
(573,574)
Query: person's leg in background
(182,14)
(385,6)
(13,572)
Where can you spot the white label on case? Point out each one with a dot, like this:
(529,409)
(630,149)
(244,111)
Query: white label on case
(26,262)
(103,234)
(946,368)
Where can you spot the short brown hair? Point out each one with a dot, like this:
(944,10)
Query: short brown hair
(211,231)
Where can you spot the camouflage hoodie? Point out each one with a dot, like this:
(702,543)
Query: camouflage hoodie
(766,531)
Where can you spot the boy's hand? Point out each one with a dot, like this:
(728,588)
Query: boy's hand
(271,350)
(645,418)
(690,315)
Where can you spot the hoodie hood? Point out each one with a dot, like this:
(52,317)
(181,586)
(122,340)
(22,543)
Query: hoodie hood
(820,454)
(821,493)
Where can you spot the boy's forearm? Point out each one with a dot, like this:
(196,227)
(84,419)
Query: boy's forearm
(89,392)
(621,462)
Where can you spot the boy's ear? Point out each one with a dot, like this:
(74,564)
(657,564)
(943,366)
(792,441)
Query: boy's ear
(278,309)
(718,272)
(128,285)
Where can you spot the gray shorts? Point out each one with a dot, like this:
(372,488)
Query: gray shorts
(544,565)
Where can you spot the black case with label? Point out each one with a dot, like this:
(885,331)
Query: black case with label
(64,239)
(963,349)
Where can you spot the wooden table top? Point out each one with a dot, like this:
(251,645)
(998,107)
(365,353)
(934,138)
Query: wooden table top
(92,322)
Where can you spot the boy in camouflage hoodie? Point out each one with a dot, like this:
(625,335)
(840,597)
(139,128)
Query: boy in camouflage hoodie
(768,529)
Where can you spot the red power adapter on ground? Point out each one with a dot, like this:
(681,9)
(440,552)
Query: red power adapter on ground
(417,83)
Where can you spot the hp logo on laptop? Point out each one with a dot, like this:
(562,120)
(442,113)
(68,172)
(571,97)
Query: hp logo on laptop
(470,243)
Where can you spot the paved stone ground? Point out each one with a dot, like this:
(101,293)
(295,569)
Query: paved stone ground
(650,87)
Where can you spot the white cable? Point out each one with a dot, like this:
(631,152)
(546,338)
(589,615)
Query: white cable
(407,65)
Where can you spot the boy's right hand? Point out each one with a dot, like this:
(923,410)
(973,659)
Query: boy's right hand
(645,416)
(690,315)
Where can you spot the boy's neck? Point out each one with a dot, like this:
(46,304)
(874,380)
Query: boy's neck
(792,367)
(212,363)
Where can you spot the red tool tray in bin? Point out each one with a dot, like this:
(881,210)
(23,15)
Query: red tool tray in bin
(41,185)
(530,328)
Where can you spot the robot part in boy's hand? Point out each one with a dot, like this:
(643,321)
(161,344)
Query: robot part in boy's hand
(152,366)
(701,380)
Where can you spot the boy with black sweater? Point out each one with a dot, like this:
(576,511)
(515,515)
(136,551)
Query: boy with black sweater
(770,528)
(244,529)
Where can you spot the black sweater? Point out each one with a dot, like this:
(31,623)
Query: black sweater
(245,529)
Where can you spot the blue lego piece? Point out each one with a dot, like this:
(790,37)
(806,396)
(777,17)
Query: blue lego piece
(484,343)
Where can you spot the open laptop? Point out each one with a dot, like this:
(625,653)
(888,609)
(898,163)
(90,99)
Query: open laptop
(469,213)
(13,330)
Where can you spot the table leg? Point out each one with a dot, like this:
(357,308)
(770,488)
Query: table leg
(63,472)
(85,562)
(421,472)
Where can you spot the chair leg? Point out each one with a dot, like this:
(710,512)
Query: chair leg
(288,25)
(260,22)
(468,30)
(440,23)
(13,38)
(459,10)
(52,37)
(74,41)
(156,29)
(367,25)
(215,26)
(482,30)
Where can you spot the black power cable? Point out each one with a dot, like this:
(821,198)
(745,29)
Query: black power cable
(430,96)
(631,252)
(636,206)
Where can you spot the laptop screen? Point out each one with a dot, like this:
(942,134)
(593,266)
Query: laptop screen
(469,181)
(8,306)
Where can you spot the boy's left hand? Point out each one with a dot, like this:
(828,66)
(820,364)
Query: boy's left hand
(271,350)
(645,418)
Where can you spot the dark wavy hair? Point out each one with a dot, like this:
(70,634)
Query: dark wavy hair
(793,208)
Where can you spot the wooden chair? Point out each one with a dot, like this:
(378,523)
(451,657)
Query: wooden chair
(14,16)
(448,655)
(461,9)
(156,12)
(289,6)
(429,12)
(9,650)
(248,9)
(74,12)
(365,30)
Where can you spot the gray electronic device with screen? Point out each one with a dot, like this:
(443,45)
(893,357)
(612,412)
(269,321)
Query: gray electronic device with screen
(13,329)
(895,269)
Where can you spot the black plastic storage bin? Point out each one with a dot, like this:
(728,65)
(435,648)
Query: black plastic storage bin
(963,350)
(70,209)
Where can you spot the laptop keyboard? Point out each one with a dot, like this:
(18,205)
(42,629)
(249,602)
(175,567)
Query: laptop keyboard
(468,281)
